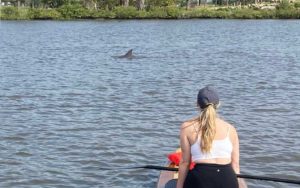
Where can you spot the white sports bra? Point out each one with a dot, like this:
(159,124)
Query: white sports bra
(220,149)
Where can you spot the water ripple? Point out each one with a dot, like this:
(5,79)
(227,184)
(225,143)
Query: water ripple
(69,108)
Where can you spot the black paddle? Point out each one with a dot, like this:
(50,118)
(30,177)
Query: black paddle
(153,167)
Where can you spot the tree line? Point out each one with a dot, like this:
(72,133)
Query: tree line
(96,4)
(109,9)
(139,4)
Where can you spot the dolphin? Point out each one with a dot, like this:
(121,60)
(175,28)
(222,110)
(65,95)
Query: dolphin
(128,55)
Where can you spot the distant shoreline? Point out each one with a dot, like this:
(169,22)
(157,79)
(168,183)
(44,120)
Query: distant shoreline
(71,12)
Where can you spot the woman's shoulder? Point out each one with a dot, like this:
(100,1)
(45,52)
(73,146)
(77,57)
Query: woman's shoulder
(226,123)
(189,123)
(232,131)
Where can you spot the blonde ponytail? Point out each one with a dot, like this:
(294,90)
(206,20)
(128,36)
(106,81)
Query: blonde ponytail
(207,122)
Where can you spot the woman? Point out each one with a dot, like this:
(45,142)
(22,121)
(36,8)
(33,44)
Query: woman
(212,144)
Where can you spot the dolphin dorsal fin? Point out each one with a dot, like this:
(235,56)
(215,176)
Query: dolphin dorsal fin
(129,53)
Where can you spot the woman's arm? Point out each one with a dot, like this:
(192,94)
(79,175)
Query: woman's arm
(235,157)
(185,158)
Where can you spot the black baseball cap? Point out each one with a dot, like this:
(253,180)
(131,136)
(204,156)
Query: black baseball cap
(206,96)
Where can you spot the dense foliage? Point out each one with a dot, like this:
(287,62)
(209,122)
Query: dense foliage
(153,9)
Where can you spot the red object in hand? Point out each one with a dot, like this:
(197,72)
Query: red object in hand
(175,158)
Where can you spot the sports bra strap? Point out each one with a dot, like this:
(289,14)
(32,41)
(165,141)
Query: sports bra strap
(228,131)
(195,128)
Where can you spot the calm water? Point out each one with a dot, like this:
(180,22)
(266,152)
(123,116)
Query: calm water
(68,108)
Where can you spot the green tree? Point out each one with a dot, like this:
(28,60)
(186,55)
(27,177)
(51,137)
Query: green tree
(124,3)
(140,4)
(108,4)
(36,3)
(284,4)
(161,3)
(54,3)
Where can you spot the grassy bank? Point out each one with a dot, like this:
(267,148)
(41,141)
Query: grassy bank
(68,12)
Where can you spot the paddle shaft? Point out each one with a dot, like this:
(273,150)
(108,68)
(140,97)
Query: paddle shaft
(153,167)
(238,175)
